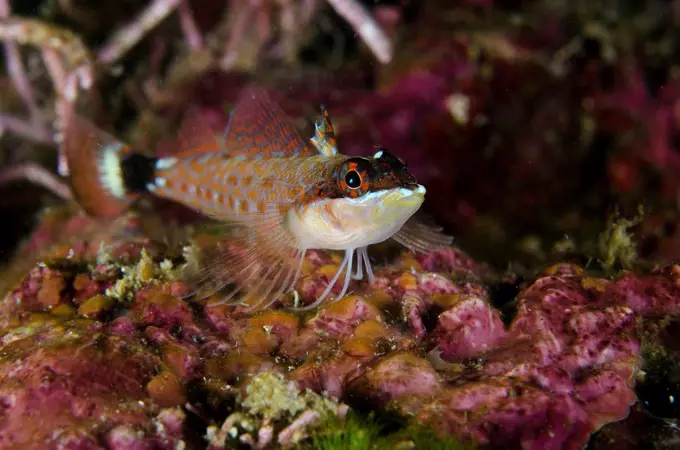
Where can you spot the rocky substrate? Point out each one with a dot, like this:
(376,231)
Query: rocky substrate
(101,349)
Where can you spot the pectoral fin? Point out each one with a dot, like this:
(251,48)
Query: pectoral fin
(419,234)
(259,264)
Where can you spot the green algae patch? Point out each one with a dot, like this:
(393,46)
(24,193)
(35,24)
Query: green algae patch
(355,432)
(352,433)
(616,244)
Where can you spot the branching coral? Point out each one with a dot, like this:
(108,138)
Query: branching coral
(36,174)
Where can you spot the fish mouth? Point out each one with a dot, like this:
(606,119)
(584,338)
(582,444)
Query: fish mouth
(411,193)
(415,188)
(399,201)
(406,194)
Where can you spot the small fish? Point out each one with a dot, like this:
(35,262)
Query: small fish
(288,195)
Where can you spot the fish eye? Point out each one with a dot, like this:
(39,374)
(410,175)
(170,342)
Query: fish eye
(353,179)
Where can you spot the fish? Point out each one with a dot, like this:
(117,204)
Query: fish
(286,194)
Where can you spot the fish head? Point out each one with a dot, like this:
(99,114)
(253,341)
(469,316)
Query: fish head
(365,201)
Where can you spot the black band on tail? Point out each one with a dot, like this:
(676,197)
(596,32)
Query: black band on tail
(138,172)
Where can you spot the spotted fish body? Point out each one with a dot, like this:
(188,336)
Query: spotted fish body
(233,188)
(288,194)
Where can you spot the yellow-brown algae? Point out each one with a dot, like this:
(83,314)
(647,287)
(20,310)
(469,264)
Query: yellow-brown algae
(335,259)
(599,284)
(346,306)
(407,261)
(408,281)
(564,268)
(359,347)
(275,319)
(81,281)
(166,302)
(371,329)
(380,299)
(59,252)
(145,268)
(277,325)
(308,267)
(446,301)
(95,306)
(328,270)
(235,364)
(63,310)
(176,357)
(167,390)
(49,294)
(259,342)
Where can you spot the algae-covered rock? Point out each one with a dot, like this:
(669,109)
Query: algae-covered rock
(427,347)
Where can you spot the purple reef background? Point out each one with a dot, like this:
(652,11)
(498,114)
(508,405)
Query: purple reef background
(547,135)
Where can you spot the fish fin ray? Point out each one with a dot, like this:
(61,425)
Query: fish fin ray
(420,235)
(258,126)
(195,137)
(324,135)
(346,266)
(254,262)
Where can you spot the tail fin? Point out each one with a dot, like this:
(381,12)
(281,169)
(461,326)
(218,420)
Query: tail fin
(106,176)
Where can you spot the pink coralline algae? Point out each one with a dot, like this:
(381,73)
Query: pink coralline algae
(74,385)
(425,341)
(565,366)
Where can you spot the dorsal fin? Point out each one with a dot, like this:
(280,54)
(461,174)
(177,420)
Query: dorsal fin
(324,137)
(195,137)
(258,126)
